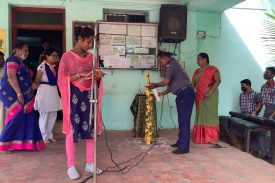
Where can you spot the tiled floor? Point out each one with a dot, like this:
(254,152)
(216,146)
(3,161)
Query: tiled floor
(202,165)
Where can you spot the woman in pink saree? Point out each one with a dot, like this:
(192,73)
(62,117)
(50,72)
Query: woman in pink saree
(74,81)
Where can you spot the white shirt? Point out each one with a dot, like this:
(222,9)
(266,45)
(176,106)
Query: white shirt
(47,98)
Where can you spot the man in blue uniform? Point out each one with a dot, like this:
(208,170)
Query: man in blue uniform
(178,82)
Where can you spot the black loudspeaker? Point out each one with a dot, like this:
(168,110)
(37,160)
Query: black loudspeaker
(172,23)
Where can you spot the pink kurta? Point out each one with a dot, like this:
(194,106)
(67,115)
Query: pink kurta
(71,64)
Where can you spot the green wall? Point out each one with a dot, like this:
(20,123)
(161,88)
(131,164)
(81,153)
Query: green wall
(225,48)
(228,49)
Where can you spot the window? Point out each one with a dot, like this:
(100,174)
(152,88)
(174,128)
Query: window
(41,18)
(133,16)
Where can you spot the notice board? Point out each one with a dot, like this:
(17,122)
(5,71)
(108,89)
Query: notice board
(127,45)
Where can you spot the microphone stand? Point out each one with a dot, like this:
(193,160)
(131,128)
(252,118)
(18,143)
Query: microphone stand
(93,105)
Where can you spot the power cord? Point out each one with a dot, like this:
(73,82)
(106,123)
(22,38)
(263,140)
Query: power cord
(170,107)
(109,149)
(175,49)
(161,113)
(117,165)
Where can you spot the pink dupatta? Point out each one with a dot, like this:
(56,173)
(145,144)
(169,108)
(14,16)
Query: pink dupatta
(71,64)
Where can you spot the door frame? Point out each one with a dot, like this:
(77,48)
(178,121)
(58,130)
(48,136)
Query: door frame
(16,26)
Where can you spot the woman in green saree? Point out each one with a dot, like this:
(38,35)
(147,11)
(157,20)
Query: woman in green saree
(206,80)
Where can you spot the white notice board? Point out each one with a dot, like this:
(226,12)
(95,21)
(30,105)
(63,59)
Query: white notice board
(127,45)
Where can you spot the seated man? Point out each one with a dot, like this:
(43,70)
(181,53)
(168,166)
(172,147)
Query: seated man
(268,100)
(248,101)
(248,98)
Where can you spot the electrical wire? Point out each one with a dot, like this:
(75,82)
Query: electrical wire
(193,51)
(127,168)
(170,107)
(175,49)
(109,149)
(161,113)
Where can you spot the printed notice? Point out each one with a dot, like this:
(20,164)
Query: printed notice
(133,30)
(125,62)
(119,29)
(141,50)
(147,30)
(111,50)
(112,29)
(105,50)
(116,62)
(134,60)
(118,40)
(112,61)
(105,28)
(118,50)
(147,61)
(149,42)
(105,39)
(132,41)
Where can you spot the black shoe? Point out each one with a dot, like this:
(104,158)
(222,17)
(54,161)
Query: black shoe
(174,145)
(263,157)
(179,152)
(254,153)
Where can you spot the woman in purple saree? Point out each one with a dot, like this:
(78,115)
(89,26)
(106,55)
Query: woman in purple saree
(21,130)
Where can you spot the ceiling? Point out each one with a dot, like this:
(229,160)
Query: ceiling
(211,5)
(195,5)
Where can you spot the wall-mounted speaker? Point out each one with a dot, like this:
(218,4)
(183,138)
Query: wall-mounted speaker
(172,23)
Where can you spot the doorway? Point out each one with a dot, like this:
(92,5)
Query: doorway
(34,39)
(33,25)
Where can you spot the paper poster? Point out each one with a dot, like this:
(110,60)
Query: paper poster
(133,41)
(105,28)
(112,29)
(2,40)
(111,50)
(118,50)
(125,62)
(105,39)
(149,42)
(147,61)
(118,40)
(111,39)
(105,50)
(148,30)
(134,60)
(134,30)
(141,50)
(119,29)
(112,61)
(116,62)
